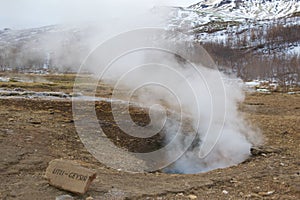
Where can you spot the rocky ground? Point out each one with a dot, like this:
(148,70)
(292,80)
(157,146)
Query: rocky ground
(35,131)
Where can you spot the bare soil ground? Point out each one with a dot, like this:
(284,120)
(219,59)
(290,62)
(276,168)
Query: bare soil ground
(35,131)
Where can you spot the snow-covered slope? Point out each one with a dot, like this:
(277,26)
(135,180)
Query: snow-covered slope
(18,37)
(245,21)
(249,9)
(234,11)
(55,45)
(252,38)
(216,20)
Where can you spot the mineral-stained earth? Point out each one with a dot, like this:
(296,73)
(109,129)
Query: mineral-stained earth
(34,131)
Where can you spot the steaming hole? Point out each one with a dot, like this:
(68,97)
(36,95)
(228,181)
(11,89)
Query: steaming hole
(189,163)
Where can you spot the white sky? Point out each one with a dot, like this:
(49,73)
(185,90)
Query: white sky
(19,14)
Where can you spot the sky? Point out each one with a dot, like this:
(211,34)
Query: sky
(18,14)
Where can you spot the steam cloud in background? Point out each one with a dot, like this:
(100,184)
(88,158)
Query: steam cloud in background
(102,20)
(19,14)
(72,28)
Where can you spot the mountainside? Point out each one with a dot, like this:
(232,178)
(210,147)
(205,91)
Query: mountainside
(251,24)
(40,48)
(255,39)
(247,9)
(214,15)
(252,38)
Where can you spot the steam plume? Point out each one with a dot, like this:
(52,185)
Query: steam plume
(216,135)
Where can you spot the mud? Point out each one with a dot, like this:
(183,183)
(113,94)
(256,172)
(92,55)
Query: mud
(35,131)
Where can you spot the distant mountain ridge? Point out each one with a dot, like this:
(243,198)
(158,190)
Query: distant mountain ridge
(256,39)
(208,17)
(235,32)
(250,9)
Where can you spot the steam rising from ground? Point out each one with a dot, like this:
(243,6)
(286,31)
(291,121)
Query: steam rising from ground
(209,109)
(210,132)
(216,135)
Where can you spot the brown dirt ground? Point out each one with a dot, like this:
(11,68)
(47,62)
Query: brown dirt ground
(33,132)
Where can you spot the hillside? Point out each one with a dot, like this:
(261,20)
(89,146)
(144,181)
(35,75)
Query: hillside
(256,39)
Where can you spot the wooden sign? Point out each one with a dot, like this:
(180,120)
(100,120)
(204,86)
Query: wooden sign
(70,176)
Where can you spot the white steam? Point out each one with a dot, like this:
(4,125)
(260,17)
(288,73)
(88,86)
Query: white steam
(231,145)
(206,99)
(223,138)
(216,135)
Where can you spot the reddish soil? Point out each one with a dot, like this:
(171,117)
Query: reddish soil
(33,132)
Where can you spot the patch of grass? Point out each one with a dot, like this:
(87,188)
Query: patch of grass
(54,83)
